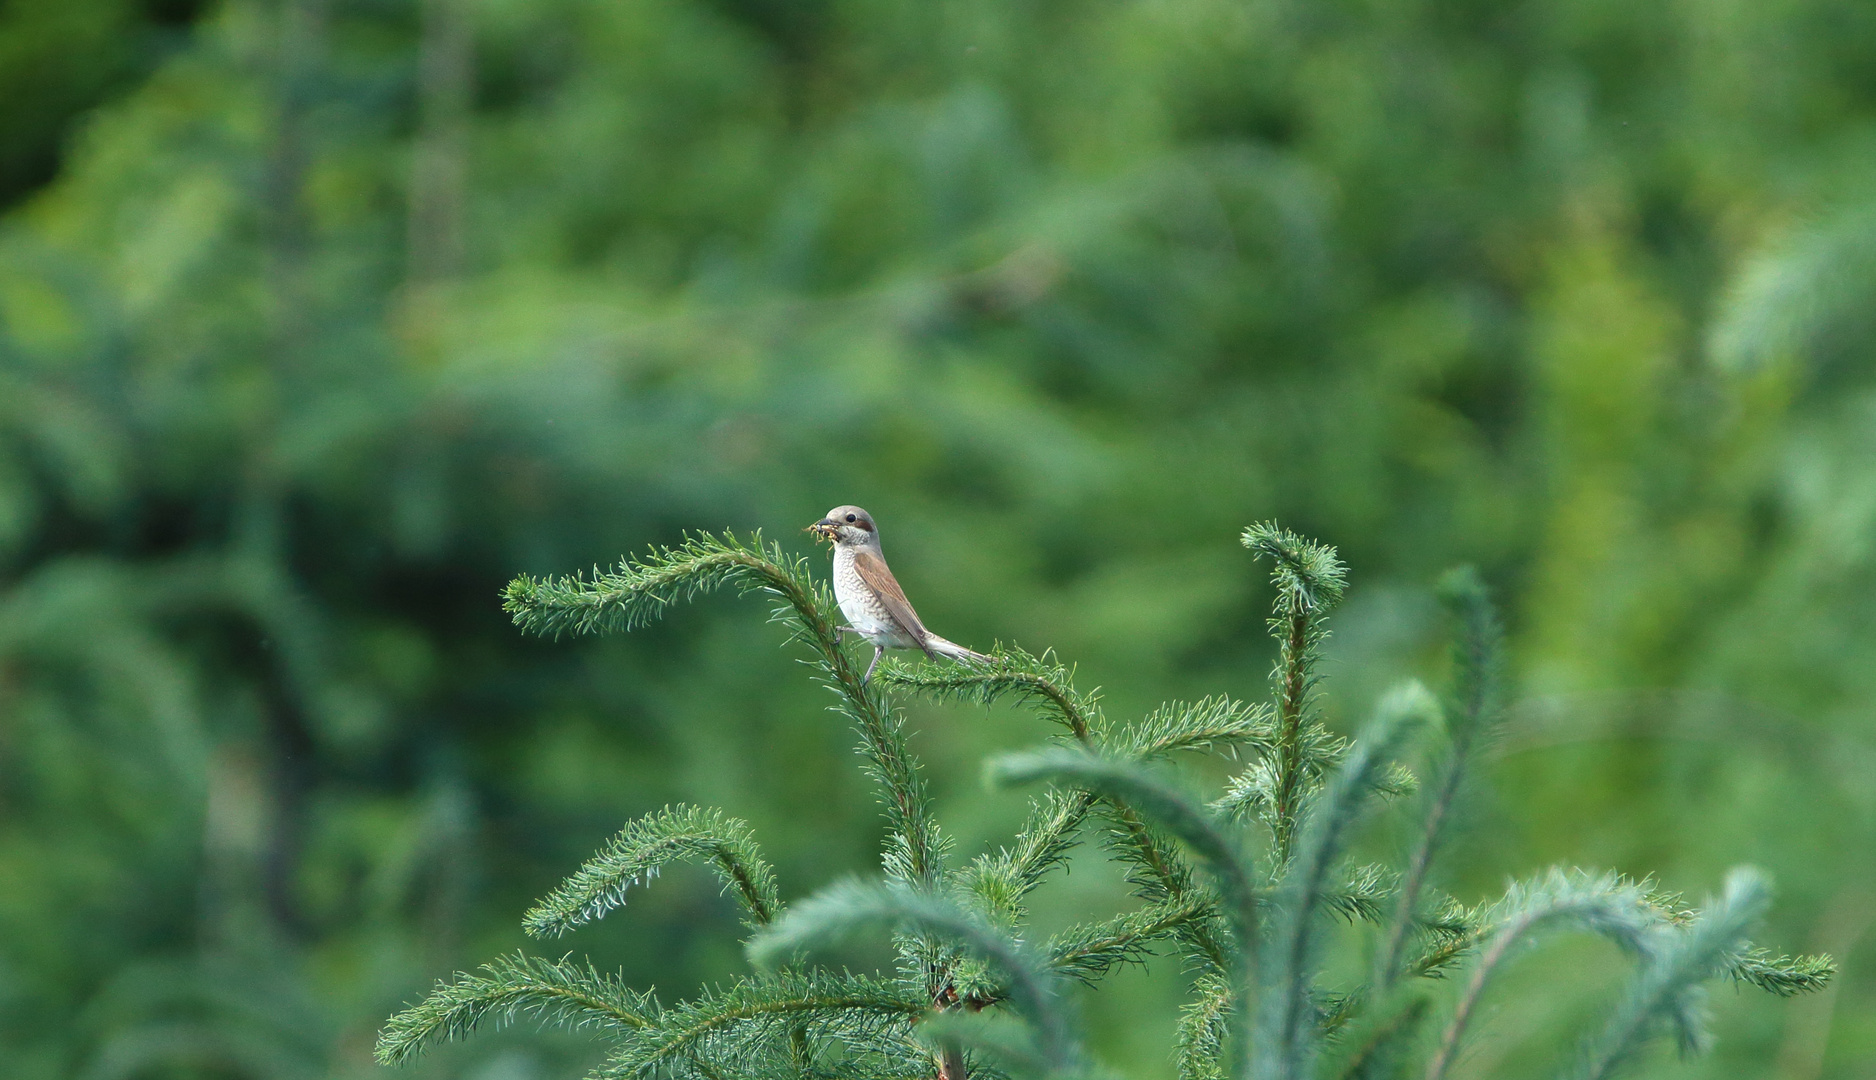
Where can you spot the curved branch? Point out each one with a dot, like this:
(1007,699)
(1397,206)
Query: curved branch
(636,854)
(570,994)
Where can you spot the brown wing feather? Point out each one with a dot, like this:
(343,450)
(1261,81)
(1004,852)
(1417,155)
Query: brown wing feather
(872,570)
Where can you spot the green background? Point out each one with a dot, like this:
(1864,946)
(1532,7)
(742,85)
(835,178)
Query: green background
(321,319)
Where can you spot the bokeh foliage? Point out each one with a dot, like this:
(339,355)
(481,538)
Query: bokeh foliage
(354,309)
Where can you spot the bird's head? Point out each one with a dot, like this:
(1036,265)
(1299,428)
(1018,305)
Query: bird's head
(846,525)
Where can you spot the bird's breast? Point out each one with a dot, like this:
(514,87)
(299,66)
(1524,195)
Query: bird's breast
(862,606)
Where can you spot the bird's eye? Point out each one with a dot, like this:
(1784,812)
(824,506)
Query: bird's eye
(850,517)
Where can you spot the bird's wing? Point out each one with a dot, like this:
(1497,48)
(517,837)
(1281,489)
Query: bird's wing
(873,571)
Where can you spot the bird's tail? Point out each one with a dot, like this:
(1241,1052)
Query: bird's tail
(951,650)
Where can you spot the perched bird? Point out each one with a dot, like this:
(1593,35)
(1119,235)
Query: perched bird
(870,597)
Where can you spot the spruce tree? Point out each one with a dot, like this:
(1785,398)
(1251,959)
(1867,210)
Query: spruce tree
(1242,889)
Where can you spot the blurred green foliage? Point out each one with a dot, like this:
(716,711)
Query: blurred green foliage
(354,309)
(59,59)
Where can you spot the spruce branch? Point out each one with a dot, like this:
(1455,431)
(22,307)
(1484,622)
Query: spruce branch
(1633,915)
(558,991)
(1199,725)
(1285,1015)
(1605,904)
(1451,919)
(915,849)
(999,883)
(1002,881)
(1669,907)
(1253,792)
(1668,992)
(638,590)
(723,1033)
(1309,579)
(1472,714)
(1308,575)
(674,834)
(1362,894)
(1371,1046)
(1039,681)
(1451,932)
(1090,951)
(1204,1025)
(1139,789)
(845,909)
(1250,793)
(1397,781)
(1131,785)
(1159,874)
(1335,1009)
(1783,976)
(1045,841)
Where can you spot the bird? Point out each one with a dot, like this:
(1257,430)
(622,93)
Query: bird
(870,597)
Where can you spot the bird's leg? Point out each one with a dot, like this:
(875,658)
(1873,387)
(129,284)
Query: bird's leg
(878,651)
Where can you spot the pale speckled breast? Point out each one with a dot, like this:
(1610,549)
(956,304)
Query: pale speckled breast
(863,610)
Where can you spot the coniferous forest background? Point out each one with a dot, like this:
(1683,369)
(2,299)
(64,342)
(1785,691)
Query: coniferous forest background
(322,320)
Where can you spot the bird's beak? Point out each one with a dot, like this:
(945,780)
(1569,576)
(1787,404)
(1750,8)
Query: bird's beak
(823,528)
